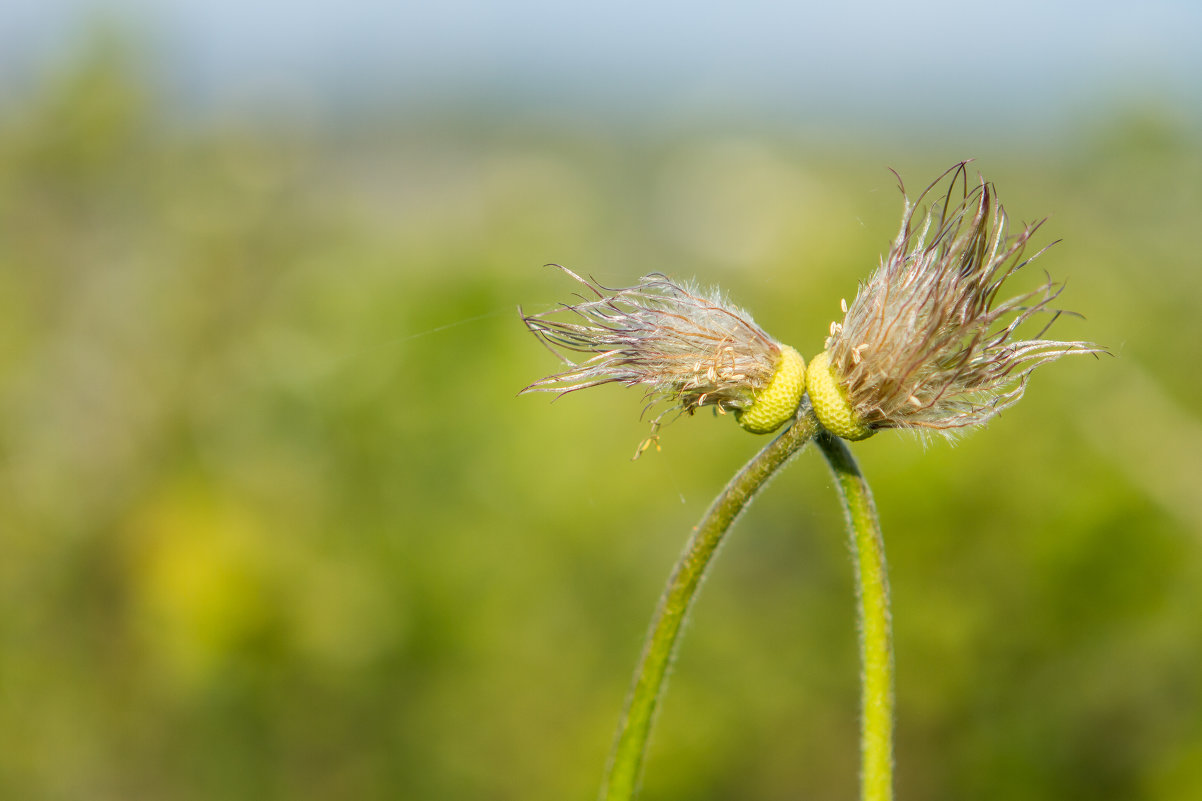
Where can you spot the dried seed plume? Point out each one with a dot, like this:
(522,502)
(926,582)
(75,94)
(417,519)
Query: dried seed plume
(685,347)
(927,344)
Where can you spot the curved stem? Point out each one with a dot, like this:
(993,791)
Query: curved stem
(876,641)
(630,745)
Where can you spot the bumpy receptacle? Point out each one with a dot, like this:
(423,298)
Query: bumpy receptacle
(830,403)
(778,402)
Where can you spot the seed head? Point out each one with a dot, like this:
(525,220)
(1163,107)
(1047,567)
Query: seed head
(926,344)
(685,348)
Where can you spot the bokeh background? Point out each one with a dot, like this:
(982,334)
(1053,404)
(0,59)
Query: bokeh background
(275,524)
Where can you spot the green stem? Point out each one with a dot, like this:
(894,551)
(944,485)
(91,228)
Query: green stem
(630,745)
(876,644)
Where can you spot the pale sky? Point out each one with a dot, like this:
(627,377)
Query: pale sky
(869,59)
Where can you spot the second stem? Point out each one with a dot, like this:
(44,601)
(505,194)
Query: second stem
(876,639)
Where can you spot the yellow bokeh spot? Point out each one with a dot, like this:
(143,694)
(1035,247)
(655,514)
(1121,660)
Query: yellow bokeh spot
(830,403)
(780,399)
(201,581)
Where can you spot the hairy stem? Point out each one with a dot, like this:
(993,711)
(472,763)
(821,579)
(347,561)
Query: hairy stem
(876,641)
(630,745)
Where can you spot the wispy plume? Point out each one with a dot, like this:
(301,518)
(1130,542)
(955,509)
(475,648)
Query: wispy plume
(686,348)
(927,344)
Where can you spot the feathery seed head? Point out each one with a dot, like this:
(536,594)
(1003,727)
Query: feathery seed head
(926,344)
(684,347)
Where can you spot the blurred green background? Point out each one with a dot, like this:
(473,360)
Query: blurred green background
(275,524)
